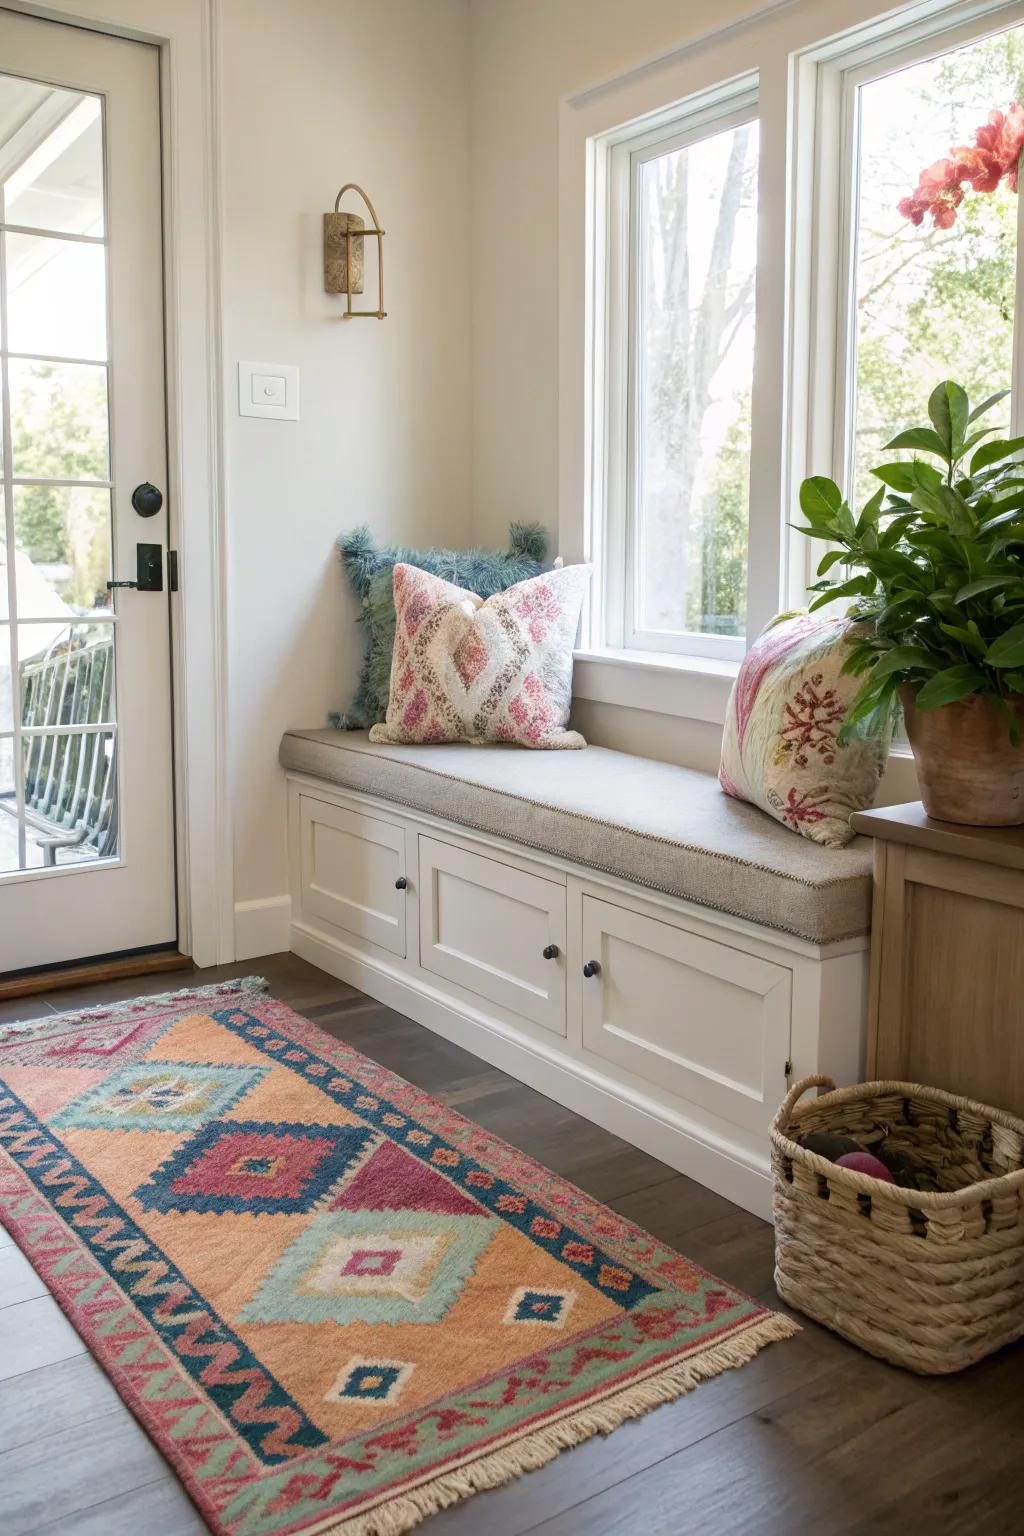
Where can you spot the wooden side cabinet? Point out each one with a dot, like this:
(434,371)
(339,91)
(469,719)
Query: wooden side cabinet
(947,955)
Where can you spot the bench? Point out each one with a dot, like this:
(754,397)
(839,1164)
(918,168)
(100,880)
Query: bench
(615,931)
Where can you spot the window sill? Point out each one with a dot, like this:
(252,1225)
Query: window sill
(691,687)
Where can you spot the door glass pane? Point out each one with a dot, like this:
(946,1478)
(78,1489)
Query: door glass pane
(6,691)
(52,157)
(8,818)
(56,297)
(62,535)
(58,421)
(70,797)
(694,351)
(934,295)
(55,535)
(66,673)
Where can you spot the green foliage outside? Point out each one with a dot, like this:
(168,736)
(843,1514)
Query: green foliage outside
(935,303)
(717,591)
(59,430)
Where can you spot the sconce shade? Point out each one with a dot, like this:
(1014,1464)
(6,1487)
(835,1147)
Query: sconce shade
(337,278)
(345,236)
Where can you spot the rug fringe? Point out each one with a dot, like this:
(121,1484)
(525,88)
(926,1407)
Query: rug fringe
(543,1445)
(241,984)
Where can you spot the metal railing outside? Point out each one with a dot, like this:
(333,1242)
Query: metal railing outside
(70,773)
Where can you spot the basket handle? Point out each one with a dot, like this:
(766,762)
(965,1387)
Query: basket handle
(816,1080)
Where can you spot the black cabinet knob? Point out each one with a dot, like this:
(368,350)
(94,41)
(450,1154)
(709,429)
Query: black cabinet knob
(591,968)
(551,952)
(401,883)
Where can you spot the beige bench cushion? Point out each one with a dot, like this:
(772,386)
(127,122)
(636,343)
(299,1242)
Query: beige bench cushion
(671,829)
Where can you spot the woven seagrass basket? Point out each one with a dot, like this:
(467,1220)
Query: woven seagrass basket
(933,1281)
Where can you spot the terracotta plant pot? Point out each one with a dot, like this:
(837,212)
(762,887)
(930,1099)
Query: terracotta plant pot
(968,769)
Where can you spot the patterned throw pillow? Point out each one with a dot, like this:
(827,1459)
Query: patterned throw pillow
(468,670)
(369,568)
(780,749)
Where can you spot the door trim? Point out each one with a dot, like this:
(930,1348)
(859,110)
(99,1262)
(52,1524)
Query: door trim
(187,35)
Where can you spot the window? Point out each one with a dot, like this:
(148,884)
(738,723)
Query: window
(931,300)
(767,210)
(686,218)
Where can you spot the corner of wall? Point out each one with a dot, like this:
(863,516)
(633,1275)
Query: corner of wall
(262,927)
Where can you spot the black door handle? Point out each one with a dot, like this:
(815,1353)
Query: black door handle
(551,952)
(592,968)
(401,883)
(149,570)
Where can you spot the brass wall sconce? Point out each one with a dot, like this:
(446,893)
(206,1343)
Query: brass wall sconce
(344,234)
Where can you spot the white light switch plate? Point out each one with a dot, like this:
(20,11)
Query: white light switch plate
(268,389)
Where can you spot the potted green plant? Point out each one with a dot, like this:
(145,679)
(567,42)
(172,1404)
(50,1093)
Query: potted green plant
(935,564)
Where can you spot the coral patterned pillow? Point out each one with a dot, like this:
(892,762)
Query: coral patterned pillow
(468,670)
(780,749)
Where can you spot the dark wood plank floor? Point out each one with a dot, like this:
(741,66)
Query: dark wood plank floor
(810,1439)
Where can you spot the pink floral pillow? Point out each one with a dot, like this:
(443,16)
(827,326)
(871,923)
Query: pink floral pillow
(780,747)
(468,670)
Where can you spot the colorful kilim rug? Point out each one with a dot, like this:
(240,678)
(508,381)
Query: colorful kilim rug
(336,1305)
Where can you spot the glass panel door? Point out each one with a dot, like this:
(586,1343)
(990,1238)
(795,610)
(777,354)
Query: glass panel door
(87,838)
(58,715)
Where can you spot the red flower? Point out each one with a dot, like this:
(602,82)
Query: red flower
(993,157)
(939,177)
(912,208)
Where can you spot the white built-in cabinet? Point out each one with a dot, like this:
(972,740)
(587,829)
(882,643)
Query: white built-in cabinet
(714,1024)
(497,931)
(353,872)
(675,1027)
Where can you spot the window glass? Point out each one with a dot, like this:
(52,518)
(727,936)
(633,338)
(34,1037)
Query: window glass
(935,267)
(696,240)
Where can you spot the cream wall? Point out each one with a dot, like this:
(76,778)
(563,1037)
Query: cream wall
(316,93)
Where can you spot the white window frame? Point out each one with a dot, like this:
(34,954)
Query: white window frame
(797,52)
(825,136)
(712,112)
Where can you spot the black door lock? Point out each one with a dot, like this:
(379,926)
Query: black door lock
(149,570)
(147,499)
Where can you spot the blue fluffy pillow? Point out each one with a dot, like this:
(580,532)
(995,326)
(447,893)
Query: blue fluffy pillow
(369,568)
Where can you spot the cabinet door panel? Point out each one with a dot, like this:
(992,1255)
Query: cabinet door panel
(703,1020)
(348,869)
(485,926)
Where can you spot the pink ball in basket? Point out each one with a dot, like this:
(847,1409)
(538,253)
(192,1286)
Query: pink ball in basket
(863,1162)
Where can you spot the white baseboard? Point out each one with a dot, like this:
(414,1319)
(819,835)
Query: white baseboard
(643,1122)
(262,927)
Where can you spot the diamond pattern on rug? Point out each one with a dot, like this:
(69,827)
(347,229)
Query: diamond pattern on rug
(159,1096)
(370,1381)
(392,1179)
(484,1298)
(392,1267)
(255,1167)
(528,1305)
(102,1040)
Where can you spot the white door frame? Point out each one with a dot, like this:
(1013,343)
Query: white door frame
(187,34)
